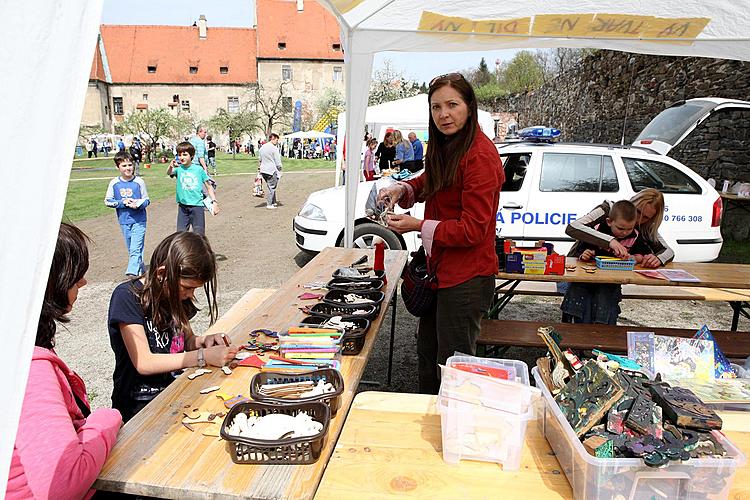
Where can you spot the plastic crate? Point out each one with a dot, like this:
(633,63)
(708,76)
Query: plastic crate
(615,264)
(355,284)
(629,478)
(366,311)
(332,399)
(475,432)
(292,451)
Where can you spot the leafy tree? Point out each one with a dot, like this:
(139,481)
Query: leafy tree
(557,61)
(482,76)
(153,125)
(330,99)
(244,121)
(271,107)
(523,73)
(423,89)
(389,84)
(489,93)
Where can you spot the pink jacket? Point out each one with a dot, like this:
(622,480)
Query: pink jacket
(58,453)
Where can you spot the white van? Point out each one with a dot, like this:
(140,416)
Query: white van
(549,185)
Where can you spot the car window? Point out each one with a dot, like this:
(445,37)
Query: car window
(515,166)
(655,174)
(578,172)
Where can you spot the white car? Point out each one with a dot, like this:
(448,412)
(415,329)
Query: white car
(549,185)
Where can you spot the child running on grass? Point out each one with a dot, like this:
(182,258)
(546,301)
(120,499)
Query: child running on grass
(128,196)
(149,322)
(191,180)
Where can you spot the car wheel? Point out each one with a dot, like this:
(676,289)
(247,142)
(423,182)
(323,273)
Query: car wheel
(364,234)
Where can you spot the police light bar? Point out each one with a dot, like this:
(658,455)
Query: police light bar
(539,134)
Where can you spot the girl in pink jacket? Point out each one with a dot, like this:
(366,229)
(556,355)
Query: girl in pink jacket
(61,445)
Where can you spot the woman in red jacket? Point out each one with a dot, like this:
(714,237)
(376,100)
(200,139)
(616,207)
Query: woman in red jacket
(461,190)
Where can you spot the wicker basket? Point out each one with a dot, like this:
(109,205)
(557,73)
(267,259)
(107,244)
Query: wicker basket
(336,297)
(615,264)
(332,399)
(292,451)
(355,285)
(369,311)
(353,340)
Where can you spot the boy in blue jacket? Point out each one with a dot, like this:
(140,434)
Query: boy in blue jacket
(127,194)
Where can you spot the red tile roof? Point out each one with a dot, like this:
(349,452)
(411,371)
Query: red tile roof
(174,49)
(309,34)
(97,67)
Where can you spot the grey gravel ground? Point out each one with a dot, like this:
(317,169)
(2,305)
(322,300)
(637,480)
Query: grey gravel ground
(260,253)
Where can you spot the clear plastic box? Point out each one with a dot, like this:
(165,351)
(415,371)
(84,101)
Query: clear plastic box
(475,432)
(630,478)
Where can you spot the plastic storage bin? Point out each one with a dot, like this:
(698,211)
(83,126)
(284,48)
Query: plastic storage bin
(630,478)
(484,418)
(615,265)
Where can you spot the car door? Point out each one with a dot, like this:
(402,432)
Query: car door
(568,184)
(514,194)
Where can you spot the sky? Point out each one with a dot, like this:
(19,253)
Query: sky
(419,66)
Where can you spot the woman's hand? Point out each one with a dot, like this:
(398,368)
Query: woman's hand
(220,355)
(587,255)
(618,249)
(390,195)
(650,261)
(403,223)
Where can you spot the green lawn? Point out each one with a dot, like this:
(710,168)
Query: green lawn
(89,180)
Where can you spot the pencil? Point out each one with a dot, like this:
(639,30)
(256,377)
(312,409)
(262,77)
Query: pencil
(224,338)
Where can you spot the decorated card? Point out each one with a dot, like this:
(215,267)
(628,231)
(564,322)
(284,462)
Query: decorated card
(641,349)
(736,390)
(721,364)
(681,358)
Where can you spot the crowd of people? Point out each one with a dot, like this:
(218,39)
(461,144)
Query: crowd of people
(61,445)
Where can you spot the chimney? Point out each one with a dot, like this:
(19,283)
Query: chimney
(300,5)
(202,27)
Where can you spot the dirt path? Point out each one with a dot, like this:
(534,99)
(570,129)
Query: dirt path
(260,253)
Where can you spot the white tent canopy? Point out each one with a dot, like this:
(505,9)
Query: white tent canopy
(408,114)
(47,59)
(711,29)
(310,134)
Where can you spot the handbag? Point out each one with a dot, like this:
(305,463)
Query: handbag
(258,186)
(419,285)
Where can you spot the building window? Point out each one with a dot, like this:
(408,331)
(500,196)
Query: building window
(282,45)
(185,106)
(338,73)
(223,70)
(193,70)
(233,104)
(117,105)
(145,97)
(336,47)
(176,98)
(286,103)
(286,72)
(151,69)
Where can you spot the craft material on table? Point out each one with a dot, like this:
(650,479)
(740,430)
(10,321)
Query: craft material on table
(679,358)
(736,390)
(252,360)
(684,408)
(302,389)
(211,389)
(641,349)
(669,274)
(722,366)
(198,372)
(274,426)
(310,296)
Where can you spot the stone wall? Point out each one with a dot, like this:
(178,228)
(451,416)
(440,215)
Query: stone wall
(611,96)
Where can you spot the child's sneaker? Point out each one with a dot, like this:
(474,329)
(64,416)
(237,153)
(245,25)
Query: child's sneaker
(270,207)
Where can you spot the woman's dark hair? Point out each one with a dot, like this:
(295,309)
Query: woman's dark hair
(183,255)
(445,151)
(69,265)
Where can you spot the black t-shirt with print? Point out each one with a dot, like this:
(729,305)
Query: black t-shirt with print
(132,390)
(386,153)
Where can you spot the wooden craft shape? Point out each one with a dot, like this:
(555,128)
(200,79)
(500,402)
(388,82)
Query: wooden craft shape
(680,406)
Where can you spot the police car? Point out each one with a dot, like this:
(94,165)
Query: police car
(548,185)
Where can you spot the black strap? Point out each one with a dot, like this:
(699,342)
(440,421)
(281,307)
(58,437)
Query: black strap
(82,406)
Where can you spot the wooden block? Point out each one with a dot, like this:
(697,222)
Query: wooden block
(685,409)
(599,446)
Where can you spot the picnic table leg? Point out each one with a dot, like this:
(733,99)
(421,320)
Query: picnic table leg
(738,308)
(498,304)
(393,330)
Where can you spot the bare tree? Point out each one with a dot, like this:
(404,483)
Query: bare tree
(273,106)
(389,84)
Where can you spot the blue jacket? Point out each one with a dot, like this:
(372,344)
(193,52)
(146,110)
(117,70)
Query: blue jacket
(119,190)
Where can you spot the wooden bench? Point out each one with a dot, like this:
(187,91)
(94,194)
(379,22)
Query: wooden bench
(738,299)
(608,338)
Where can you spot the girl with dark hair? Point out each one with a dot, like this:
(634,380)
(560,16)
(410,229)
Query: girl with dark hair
(149,322)
(461,190)
(61,445)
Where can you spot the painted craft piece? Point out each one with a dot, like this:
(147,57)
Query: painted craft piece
(722,367)
(735,390)
(684,409)
(641,349)
(587,397)
(680,358)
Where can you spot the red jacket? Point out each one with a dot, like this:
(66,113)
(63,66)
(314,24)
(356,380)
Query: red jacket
(459,227)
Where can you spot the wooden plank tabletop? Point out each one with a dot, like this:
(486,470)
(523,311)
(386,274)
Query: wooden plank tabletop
(156,456)
(711,274)
(391,446)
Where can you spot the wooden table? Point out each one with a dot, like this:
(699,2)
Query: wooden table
(732,201)
(156,456)
(391,446)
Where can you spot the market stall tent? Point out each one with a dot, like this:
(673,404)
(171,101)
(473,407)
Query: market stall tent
(47,57)
(408,114)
